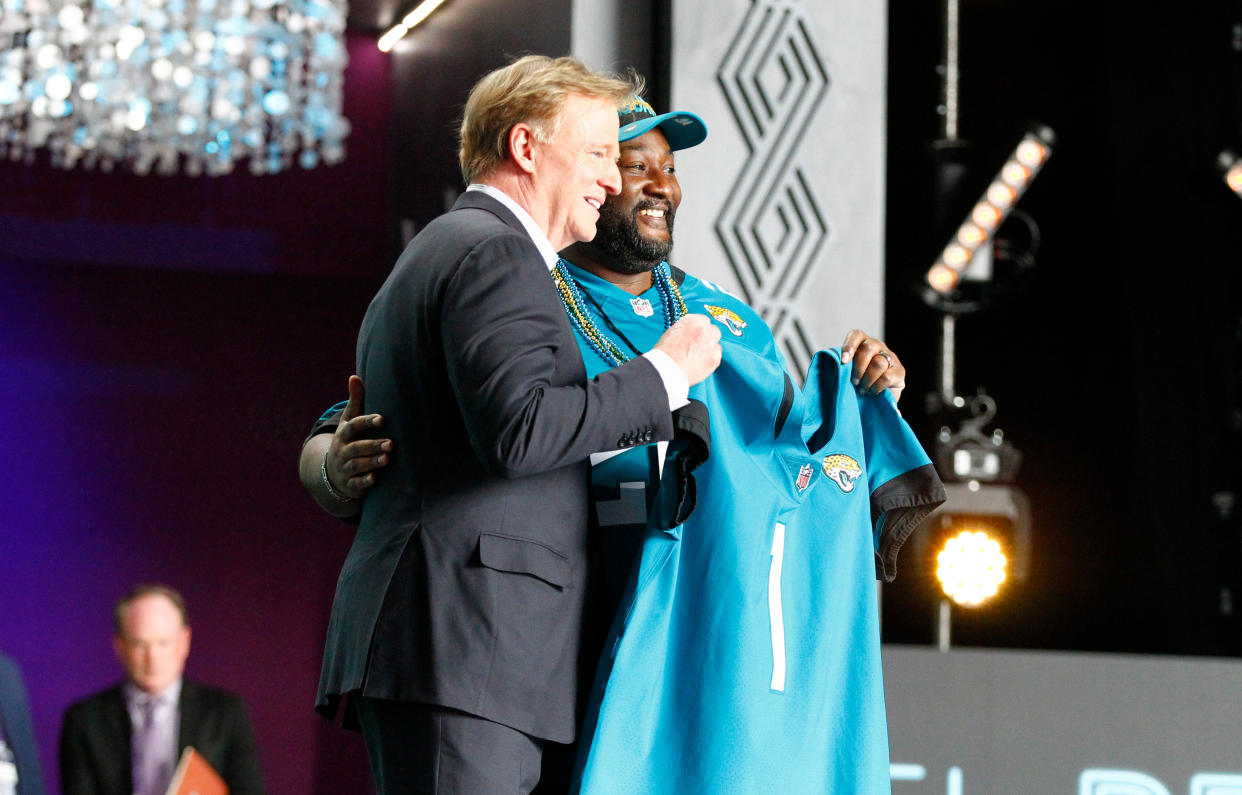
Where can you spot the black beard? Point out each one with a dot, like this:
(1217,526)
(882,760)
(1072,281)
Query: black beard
(617,234)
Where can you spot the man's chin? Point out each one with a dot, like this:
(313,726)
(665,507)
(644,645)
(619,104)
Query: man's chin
(152,684)
(656,240)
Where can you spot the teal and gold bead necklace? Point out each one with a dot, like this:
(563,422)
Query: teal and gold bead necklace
(572,299)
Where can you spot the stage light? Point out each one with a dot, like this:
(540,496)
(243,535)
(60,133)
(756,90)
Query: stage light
(986,216)
(420,12)
(971,567)
(971,235)
(1031,154)
(956,256)
(1014,177)
(942,278)
(1230,166)
(980,469)
(1015,174)
(1001,195)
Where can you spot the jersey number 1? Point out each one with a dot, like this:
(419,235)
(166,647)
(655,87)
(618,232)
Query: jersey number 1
(775,615)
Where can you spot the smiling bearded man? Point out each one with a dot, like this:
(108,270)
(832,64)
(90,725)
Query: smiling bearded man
(745,652)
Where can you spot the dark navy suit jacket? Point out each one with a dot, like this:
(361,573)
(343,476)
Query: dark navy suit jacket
(18,731)
(466,583)
(95,754)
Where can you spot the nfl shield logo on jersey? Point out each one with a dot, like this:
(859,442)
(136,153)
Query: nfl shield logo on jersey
(804,477)
(642,307)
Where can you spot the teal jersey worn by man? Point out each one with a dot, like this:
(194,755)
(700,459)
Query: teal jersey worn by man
(745,656)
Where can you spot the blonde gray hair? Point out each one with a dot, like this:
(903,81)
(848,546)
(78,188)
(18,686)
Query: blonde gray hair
(531,90)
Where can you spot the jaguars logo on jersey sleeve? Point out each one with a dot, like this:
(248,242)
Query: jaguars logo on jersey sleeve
(727,317)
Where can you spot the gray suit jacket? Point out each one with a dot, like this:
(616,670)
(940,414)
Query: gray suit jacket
(465,585)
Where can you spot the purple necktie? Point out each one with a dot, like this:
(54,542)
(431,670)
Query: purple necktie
(150,767)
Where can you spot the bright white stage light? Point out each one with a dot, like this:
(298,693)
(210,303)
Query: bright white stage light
(971,568)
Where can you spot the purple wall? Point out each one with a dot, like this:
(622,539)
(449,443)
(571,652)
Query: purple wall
(167,343)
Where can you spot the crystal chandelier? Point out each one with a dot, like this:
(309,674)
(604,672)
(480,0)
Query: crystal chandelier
(168,85)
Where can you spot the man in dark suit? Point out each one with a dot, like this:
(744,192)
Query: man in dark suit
(455,629)
(129,738)
(16,731)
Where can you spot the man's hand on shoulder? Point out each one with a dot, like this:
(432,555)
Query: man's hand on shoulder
(693,343)
(876,368)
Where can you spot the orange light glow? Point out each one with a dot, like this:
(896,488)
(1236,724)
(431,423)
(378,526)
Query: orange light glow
(986,216)
(942,278)
(1015,174)
(956,256)
(1234,177)
(1031,153)
(1001,195)
(970,235)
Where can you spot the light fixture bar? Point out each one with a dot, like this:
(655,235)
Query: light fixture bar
(992,208)
(420,12)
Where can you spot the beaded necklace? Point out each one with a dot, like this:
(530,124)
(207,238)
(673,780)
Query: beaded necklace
(575,306)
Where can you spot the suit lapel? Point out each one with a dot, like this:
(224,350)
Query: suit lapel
(190,716)
(115,733)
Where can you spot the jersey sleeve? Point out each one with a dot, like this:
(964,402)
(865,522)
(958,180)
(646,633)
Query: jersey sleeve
(328,421)
(739,324)
(904,485)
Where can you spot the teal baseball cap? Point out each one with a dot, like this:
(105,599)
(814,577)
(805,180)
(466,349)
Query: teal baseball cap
(682,129)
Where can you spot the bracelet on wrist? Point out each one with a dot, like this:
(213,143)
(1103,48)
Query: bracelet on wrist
(323,474)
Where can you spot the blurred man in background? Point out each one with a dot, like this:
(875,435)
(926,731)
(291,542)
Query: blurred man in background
(129,738)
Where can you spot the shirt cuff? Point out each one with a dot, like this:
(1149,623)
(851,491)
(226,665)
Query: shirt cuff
(675,382)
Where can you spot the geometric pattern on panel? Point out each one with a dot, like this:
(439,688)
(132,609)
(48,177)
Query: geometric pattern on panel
(771,226)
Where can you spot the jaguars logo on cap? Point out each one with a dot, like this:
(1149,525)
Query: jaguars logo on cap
(842,470)
(727,317)
(631,114)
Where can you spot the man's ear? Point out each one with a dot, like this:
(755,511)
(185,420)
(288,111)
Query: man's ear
(522,146)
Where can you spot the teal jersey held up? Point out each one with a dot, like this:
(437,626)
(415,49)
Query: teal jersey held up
(745,656)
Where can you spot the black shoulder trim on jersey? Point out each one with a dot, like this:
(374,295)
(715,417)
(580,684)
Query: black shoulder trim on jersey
(829,386)
(328,421)
(782,413)
(902,503)
(679,275)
